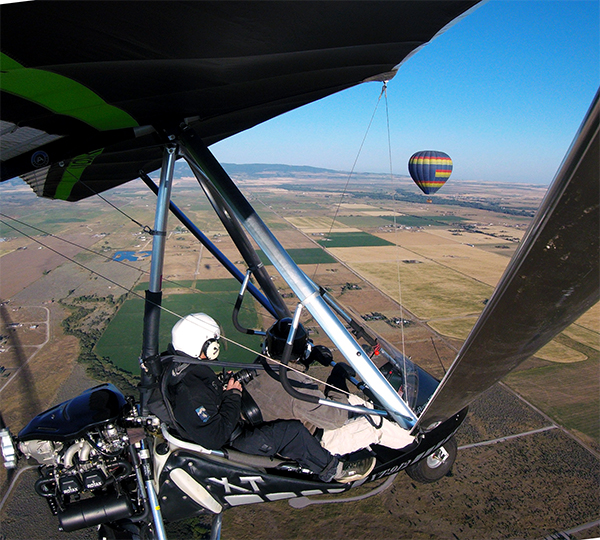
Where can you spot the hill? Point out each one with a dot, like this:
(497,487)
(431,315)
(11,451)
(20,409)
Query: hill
(259,170)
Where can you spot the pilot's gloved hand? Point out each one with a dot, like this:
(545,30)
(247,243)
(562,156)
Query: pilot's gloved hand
(338,376)
(321,354)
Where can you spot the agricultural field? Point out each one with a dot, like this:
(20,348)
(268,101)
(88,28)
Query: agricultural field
(443,265)
(351,239)
(122,339)
(319,224)
(432,265)
(302,256)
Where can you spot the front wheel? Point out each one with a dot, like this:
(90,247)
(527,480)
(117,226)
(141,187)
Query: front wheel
(435,465)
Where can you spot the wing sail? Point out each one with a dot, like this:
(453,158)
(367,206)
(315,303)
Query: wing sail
(552,279)
(221,67)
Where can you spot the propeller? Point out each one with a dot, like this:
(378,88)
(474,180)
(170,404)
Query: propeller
(552,279)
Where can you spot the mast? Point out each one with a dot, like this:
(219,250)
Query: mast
(150,344)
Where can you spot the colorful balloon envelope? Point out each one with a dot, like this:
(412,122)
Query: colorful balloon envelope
(430,170)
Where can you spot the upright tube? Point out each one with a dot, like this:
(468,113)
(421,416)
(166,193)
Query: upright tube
(156,513)
(160,218)
(150,345)
(202,238)
(215,530)
(147,474)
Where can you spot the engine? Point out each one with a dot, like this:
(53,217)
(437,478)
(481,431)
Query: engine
(86,470)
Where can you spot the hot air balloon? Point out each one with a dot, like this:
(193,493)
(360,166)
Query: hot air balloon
(430,170)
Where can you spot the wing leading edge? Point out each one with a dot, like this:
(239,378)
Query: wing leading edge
(552,279)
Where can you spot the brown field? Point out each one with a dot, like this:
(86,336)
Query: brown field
(428,289)
(468,237)
(466,260)
(27,265)
(415,237)
(356,206)
(456,327)
(319,224)
(558,477)
(557,352)
(583,335)
(363,254)
(591,319)
(42,368)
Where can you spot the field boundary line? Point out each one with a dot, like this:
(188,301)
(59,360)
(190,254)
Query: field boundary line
(563,429)
(508,437)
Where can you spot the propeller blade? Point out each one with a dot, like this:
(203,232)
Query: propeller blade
(552,279)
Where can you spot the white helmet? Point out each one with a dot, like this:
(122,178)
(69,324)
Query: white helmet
(196,334)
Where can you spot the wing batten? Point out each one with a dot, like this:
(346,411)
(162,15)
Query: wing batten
(17,140)
(553,278)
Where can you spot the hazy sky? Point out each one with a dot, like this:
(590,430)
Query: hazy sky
(503,92)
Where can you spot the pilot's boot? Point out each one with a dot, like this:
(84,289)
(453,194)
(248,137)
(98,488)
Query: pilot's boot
(350,471)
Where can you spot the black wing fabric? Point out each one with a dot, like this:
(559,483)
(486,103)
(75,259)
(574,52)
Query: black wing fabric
(89,89)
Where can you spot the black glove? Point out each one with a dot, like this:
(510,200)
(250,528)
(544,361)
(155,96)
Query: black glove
(338,376)
(320,354)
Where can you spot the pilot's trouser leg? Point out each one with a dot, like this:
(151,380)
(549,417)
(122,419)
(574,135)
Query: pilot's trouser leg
(290,439)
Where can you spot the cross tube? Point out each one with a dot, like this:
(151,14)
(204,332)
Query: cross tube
(303,288)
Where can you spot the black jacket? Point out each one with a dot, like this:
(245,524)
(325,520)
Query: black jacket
(201,407)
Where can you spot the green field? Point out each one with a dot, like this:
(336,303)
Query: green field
(353,239)
(184,284)
(303,256)
(122,340)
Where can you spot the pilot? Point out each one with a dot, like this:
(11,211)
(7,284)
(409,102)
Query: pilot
(340,432)
(209,412)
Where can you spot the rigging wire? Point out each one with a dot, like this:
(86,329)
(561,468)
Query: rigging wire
(70,259)
(397,244)
(339,204)
(438,355)
(159,306)
(145,228)
(108,258)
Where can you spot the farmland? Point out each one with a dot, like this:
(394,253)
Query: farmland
(122,340)
(352,239)
(302,256)
(435,265)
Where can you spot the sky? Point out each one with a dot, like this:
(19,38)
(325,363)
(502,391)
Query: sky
(503,92)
